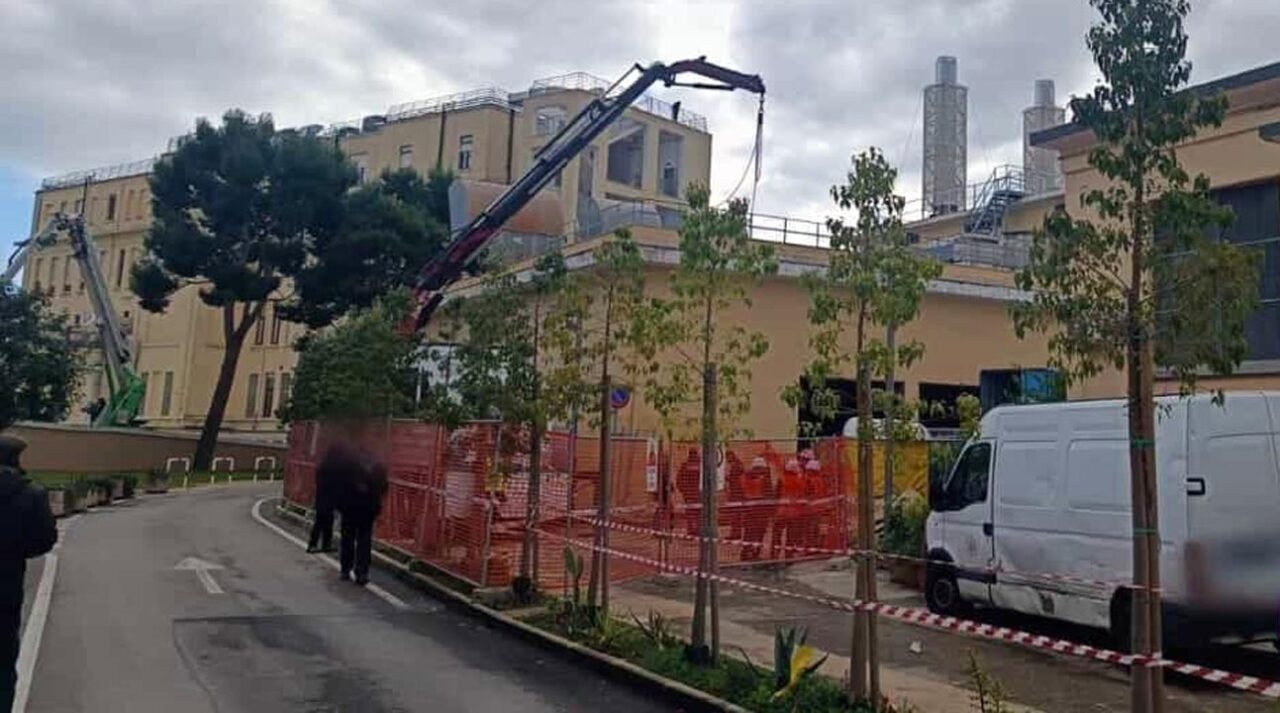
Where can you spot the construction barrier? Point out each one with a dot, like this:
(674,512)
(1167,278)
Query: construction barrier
(459,498)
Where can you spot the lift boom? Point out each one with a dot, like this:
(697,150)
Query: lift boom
(576,135)
(127,388)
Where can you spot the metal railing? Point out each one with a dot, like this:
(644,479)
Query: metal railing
(485,96)
(1005,177)
(583,81)
(104,173)
(1007,252)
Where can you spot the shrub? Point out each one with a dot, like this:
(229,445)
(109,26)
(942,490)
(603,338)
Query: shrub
(904,523)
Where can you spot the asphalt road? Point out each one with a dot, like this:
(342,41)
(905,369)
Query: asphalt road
(126,631)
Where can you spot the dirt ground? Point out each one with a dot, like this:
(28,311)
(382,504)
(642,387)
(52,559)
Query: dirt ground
(1037,679)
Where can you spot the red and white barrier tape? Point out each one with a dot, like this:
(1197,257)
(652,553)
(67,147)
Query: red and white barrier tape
(922,617)
(848,552)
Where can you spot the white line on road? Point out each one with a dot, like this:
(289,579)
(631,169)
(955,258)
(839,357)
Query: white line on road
(203,572)
(34,633)
(378,591)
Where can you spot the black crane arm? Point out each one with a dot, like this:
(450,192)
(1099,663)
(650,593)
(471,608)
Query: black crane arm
(576,135)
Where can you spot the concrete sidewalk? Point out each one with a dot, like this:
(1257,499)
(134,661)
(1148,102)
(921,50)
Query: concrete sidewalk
(923,666)
(739,632)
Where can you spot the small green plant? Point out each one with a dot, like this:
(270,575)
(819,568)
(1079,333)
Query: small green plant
(793,663)
(658,630)
(904,524)
(573,569)
(988,695)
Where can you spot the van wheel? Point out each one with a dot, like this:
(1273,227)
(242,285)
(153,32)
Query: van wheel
(941,592)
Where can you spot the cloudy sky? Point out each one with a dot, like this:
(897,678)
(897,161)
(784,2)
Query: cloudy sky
(96,82)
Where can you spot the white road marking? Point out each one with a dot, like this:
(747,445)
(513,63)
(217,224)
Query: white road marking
(202,570)
(34,632)
(378,591)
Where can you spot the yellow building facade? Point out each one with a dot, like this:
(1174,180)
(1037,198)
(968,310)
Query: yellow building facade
(487,136)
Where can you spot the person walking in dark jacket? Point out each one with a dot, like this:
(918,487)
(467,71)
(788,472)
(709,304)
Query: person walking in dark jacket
(27,530)
(336,465)
(360,504)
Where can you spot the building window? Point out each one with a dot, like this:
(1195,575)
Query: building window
(62,207)
(465,143)
(111,207)
(120,269)
(275,325)
(259,329)
(53,274)
(549,120)
(251,401)
(79,206)
(166,398)
(130,205)
(625,157)
(143,204)
(35,274)
(146,392)
(361,162)
(406,156)
(75,319)
(268,394)
(286,388)
(66,275)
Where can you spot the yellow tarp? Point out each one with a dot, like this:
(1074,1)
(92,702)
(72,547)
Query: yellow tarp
(911,466)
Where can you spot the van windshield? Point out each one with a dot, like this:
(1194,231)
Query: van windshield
(968,482)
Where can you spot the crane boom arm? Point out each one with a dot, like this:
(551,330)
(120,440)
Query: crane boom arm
(576,135)
(44,238)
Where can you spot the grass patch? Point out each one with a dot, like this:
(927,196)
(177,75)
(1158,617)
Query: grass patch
(737,682)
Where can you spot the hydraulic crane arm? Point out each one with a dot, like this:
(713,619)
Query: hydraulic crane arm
(45,238)
(576,135)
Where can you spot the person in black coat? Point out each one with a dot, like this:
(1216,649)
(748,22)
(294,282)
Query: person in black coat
(335,466)
(27,529)
(360,503)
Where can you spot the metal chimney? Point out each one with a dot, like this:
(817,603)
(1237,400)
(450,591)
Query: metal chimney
(946,140)
(1043,173)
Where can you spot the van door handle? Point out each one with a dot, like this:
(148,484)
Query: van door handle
(988,529)
(1196,486)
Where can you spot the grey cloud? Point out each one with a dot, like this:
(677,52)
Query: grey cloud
(98,82)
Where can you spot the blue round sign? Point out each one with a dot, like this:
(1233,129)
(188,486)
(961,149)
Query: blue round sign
(619,397)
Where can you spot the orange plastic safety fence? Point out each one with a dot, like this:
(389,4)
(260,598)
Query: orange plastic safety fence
(459,499)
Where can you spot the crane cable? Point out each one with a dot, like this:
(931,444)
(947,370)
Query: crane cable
(753,160)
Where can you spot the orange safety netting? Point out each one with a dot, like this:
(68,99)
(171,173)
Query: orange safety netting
(459,499)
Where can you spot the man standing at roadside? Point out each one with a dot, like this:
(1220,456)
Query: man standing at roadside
(27,530)
(359,504)
(338,461)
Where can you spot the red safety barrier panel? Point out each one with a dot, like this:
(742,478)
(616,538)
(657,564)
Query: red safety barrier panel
(459,499)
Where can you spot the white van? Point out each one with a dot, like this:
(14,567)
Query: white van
(1044,489)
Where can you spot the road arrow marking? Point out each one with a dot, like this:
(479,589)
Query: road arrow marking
(202,569)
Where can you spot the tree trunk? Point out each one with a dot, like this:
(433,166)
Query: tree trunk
(890,435)
(710,529)
(529,558)
(233,336)
(1147,683)
(863,622)
(606,470)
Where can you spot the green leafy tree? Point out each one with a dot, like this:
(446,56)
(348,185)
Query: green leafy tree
(39,372)
(1136,278)
(238,210)
(590,333)
(696,363)
(390,228)
(873,279)
(361,368)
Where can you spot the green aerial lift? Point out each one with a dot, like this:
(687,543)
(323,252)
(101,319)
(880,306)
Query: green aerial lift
(126,387)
